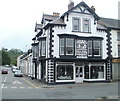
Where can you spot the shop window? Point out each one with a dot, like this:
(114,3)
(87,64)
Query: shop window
(86,25)
(64,72)
(76,24)
(86,72)
(97,72)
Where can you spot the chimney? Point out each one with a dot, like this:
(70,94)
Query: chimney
(71,4)
(56,14)
(93,8)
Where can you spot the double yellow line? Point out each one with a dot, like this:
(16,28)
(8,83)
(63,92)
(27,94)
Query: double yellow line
(30,83)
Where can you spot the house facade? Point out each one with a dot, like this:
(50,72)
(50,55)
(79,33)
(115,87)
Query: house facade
(72,48)
(77,46)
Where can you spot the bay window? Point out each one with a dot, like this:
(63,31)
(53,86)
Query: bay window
(66,46)
(69,46)
(94,48)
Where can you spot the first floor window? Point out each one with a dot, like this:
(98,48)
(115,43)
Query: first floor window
(65,72)
(69,46)
(96,48)
(118,36)
(62,46)
(43,43)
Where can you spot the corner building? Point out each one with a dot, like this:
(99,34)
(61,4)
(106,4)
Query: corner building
(72,48)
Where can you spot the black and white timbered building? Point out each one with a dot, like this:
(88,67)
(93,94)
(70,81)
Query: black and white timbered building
(71,48)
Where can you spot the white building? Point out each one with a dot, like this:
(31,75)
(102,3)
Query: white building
(72,47)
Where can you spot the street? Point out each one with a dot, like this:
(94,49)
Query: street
(24,88)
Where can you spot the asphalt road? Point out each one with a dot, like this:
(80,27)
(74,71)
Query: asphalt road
(24,88)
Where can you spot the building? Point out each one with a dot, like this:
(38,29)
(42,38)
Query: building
(74,47)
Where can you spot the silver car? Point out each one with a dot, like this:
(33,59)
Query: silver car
(18,73)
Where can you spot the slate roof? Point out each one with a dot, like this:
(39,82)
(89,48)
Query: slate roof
(49,17)
(38,26)
(111,23)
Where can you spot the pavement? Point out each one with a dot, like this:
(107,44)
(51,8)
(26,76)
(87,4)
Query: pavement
(40,84)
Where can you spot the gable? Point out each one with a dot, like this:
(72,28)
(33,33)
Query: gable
(82,8)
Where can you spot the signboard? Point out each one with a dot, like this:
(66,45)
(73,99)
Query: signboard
(81,48)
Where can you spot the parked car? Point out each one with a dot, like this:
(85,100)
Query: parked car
(18,73)
(4,71)
(14,69)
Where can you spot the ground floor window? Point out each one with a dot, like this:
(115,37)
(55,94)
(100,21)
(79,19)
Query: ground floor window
(65,72)
(94,71)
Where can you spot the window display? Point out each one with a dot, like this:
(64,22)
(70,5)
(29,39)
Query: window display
(64,72)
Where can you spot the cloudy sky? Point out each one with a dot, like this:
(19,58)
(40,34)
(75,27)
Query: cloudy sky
(18,17)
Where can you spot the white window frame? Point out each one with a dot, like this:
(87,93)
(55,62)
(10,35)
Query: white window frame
(70,46)
(97,48)
(62,46)
(89,25)
(73,24)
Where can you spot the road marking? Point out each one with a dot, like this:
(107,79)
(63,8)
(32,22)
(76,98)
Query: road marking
(29,87)
(5,87)
(2,85)
(17,82)
(22,87)
(13,87)
(30,83)
(5,79)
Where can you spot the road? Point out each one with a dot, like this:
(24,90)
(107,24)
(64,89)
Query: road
(24,88)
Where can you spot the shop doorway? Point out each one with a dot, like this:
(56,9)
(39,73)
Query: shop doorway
(79,74)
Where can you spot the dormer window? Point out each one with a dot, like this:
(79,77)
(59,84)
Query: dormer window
(86,25)
(76,24)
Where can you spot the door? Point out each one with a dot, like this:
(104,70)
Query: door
(79,74)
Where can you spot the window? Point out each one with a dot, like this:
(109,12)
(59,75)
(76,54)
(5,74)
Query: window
(62,46)
(86,25)
(118,36)
(69,46)
(76,24)
(97,72)
(89,48)
(66,46)
(43,43)
(94,48)
(65,72)
(118,50)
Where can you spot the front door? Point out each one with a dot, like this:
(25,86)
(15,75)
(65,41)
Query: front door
(79,74)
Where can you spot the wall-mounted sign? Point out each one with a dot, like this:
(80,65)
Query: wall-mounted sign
(81,48)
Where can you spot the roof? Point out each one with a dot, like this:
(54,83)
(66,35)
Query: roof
(49,17)
(38,26)
(58,21)
(86,6)
(111,23)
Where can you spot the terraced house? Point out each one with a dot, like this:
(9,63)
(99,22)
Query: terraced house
(71,48)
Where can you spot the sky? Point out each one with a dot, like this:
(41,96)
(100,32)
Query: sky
(18,18)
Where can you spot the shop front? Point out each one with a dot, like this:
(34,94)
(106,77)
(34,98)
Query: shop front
(73,72)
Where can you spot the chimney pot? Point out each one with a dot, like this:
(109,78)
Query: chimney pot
(93,8)
(71,4)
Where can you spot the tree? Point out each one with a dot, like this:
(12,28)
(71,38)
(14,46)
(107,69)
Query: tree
(5,57)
